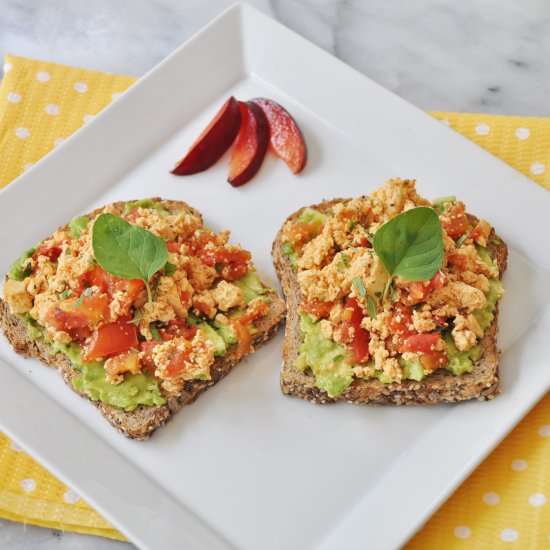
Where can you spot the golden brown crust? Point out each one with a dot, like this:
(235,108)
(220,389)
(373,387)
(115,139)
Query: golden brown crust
(143,420)
(442,386)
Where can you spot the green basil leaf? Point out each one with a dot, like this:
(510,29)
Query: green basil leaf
(371,307)
(127,251)
(411,244)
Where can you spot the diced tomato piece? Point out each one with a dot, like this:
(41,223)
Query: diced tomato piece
(360,337)
(433,360)
(78,320)
(173,246)
(96,276)
(146,349)
(51,252)
(317,307)
(127,361)
(131,289)
(112,339)
(109,284)
(401,321)
(421,343)
(177,329)
(231,264)
(176,363)
(253,313)
(439,320)
(244,337)
(301,233)
(418,291)
(455,221)
(481,232)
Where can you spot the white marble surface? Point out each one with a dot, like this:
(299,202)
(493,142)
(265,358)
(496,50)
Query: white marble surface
(491,56)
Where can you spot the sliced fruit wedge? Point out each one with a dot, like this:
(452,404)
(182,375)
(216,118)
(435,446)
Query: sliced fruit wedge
(286,138)
(213,142)
(251,144)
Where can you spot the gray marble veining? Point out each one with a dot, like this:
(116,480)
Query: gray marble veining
(491,56)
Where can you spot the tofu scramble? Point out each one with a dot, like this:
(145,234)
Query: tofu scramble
(205,301)
(422,326)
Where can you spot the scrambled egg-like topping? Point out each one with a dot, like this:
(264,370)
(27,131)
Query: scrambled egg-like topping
(333,254)
(70,295)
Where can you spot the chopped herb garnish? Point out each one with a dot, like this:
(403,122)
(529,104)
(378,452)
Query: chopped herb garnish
(155,332)
(156,289)
(371,307)
(85,294)
(359,286)
(378,294)
(170,269)
(66,293)
(460,240)
(345,259)
(138,314)
(393,294)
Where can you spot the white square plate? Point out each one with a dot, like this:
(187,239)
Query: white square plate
(245,466)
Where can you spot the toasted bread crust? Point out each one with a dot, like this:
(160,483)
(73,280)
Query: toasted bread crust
(442,386)
(143,420)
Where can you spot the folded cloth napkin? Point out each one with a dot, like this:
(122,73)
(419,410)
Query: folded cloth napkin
(504,501)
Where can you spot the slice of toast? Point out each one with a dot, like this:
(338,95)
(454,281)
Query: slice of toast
(141,422)
(441,386)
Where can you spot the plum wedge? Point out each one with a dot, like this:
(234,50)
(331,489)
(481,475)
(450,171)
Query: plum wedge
(286,139)
(250,146)
(213,142)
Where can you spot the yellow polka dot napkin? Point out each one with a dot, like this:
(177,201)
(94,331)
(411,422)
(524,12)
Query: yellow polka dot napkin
(503,504)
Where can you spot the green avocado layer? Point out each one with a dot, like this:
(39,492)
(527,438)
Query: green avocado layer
(134,390)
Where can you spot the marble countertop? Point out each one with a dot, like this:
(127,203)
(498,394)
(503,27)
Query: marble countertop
(490,56)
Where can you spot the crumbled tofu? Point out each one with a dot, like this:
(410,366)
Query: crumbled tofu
(466,331)
(204,303)
(17,297)
(456,295)
(227,295)
(423,321)
(335,280)
(184,359)
(200,276)
(159,310)
(326,328)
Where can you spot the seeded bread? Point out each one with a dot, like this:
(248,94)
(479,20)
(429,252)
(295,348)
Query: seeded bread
(442,386)
(143,420)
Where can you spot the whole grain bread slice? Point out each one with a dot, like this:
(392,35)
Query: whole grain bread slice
(442,386)
(141,422)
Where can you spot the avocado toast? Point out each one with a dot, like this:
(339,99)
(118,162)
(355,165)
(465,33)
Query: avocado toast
(354,333)
(139,307)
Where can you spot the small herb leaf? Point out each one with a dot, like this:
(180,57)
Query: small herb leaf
(155,332)
(169,269)
(87,292)
(359,286)
(411,244)
(65,294)
(138,314)
(371,306)
(127,251)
